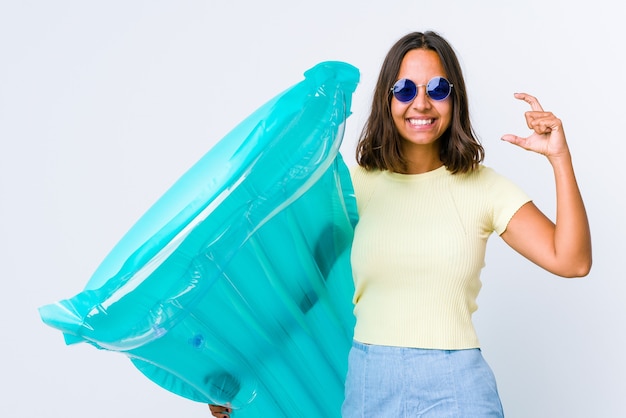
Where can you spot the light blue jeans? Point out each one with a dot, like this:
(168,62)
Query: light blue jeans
(397,382)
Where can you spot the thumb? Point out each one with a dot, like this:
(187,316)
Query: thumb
(513,139)
(517,140)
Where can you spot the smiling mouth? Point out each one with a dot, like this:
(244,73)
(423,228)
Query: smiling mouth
(421,122)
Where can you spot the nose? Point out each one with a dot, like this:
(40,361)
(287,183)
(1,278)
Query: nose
(421,101)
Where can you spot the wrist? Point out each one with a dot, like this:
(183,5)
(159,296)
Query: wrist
(560,159)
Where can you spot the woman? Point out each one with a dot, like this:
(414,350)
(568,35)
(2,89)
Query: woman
(426,208)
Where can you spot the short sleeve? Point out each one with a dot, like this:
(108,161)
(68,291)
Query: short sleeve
(505,197)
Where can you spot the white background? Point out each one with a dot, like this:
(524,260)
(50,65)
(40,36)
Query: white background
(103,105)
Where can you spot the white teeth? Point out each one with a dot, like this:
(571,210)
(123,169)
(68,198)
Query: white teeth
(420,121)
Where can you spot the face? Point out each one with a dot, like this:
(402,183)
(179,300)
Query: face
(422,121)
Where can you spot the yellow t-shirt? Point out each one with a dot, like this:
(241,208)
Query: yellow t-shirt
(418,250)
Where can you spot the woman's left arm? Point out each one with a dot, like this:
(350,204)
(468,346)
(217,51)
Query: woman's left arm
(563,247)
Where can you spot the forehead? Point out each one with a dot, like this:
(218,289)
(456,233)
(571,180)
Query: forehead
(420,65)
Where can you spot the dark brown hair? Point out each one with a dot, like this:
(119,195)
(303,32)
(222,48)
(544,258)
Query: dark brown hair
(379,143)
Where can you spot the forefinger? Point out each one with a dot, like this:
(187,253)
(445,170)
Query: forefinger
(531,100)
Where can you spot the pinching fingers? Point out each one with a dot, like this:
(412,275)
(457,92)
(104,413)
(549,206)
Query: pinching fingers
(543,123)
(531,100)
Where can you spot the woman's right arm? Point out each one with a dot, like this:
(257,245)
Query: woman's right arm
(220,411)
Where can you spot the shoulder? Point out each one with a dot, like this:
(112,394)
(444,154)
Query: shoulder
(364,182)
(487,183)
(488,177)
(356,171)
(485,173)
(361,177)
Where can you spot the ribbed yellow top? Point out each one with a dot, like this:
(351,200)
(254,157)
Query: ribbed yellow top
(418,250)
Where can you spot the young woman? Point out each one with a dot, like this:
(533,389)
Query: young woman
(426,207)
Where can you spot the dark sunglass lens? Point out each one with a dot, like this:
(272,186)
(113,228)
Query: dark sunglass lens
(438,88)
(404,90)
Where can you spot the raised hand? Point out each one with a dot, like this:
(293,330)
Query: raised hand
(547,137)
(562,247)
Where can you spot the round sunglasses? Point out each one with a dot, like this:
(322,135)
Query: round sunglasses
(438,88)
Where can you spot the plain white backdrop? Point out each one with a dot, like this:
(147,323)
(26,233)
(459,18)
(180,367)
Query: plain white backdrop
(103,105)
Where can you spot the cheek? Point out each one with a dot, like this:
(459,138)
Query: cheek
(445,113)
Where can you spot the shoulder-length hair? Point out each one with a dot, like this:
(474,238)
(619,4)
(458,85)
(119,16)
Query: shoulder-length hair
(379,144)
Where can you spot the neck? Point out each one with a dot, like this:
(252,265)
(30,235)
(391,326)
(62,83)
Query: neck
(420,168)
(422,159)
